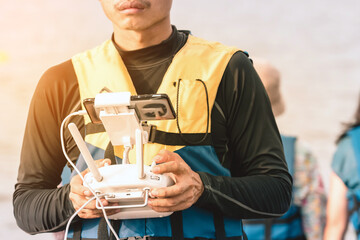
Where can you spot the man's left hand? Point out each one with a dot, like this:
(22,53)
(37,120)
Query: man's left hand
(184,193)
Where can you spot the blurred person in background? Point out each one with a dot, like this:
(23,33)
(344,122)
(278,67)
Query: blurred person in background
(344,193)
(306,216)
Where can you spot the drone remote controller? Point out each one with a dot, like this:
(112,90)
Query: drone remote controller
(128,185)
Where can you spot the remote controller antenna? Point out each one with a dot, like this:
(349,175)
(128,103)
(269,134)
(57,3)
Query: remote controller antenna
(85,151)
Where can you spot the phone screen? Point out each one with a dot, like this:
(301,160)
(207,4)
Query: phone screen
(147,107)
(153,106)
(90,109)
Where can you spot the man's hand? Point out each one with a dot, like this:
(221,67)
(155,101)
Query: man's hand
(79,195)
(184,193)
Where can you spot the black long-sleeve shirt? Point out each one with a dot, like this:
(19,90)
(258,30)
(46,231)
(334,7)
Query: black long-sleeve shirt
(243,131)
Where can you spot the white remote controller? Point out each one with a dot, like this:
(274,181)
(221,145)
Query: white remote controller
(122,184)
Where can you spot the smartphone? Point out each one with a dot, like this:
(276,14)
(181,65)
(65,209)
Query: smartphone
(153,106)
(147,107)
(91,111)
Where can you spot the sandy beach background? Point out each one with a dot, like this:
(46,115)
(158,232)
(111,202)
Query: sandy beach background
(315,44)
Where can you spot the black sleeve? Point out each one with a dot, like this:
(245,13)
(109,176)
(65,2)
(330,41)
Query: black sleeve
(248,143)
(40,203)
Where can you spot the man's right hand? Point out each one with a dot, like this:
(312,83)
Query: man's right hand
(79,195)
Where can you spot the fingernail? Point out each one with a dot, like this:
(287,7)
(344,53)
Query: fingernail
(156,158)
(156,169)
(87,193)
(154,192)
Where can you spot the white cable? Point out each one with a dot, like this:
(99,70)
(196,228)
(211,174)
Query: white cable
(72,217)
(79,113)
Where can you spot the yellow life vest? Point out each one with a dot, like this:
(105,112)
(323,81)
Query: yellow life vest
(198,59)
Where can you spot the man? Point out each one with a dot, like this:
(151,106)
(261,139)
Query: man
(225,151)
(306,216)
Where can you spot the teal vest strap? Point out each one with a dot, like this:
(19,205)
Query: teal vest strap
(289,150)
(355,140)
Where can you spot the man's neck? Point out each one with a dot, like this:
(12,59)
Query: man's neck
(129,40)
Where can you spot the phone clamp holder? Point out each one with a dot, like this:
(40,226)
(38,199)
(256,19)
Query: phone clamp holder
(128,185)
